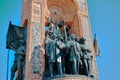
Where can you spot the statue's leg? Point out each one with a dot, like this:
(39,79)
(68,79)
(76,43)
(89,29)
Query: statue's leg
(23,70)
(51,68)
(13,70)
(74,67)
(68,69)
(90,68)
(63,60)
(63,63)
(59,68)
(85,65)
(20,69)
(78,65)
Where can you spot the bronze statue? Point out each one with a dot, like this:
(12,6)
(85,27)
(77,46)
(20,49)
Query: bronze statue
(53,51)
(73,54)
(59,47)
(50,52)
(86,57)
(78,54)
(64,48)
(18,62)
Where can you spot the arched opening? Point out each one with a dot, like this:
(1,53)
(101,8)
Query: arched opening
(64,10)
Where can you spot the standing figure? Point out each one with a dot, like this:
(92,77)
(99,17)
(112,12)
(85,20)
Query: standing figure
(73,54)
(86,57)
(51,48)
(50,51)
(53,52)
(78,53)
(18,62)
(65,52)
(59,46)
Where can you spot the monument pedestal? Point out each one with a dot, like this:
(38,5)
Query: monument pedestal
(69,77)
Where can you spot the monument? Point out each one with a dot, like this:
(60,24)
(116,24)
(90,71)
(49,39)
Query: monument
(59,41)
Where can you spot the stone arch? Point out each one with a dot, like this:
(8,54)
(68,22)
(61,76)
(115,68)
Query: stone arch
(66,10)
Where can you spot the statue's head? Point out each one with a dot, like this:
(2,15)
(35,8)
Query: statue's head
(82,40)
(50,20)
(73,36)
(61,23)
(56,22)
(77,39)
(68,28)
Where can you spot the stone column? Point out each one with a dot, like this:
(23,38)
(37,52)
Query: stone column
(34,11)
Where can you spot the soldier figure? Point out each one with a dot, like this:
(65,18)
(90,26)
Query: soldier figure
(78,53)
(60,46)
(86,57)
(51,56)
(65,51)
(52,49)
(18,62)
(73,54)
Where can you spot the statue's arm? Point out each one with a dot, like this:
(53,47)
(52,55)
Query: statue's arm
(84,48)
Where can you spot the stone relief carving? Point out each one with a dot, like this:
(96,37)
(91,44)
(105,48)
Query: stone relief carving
(36,60)
(36,53)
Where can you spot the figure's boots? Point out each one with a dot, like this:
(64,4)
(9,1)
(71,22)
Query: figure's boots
(51,69)
(59,68)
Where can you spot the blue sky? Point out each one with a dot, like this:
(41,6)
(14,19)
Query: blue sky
(105,22)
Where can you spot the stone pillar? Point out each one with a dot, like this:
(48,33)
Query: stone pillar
(34,11)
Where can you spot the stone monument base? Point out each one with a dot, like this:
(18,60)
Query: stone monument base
(69,77)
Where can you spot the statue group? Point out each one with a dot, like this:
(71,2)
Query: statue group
(65,52)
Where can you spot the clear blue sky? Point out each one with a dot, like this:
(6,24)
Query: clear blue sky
(105,21)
